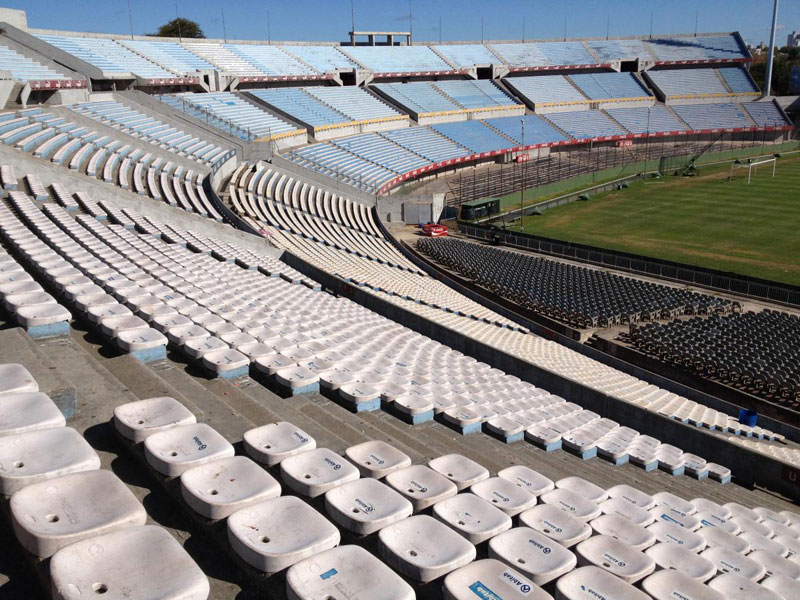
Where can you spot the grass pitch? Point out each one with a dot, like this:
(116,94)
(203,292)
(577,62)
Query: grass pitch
(705,220)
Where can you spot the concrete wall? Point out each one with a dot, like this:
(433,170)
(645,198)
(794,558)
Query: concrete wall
(14,17)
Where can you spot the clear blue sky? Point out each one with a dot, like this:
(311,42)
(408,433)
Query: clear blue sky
(461,19)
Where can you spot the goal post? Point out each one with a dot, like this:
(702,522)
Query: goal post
(752,167)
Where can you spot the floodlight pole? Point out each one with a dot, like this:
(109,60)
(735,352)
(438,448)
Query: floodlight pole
(224,31)
(768,84)
(178,21)
(130,17)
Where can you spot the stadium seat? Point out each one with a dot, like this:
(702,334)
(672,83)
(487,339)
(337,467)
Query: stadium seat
(314,472)
(177,449)
(138,420)
(423,549)
(219,488)
(537,556)
(50,515)
(365,506)
(363,575)
(280,532)
(145,562)
(272,443)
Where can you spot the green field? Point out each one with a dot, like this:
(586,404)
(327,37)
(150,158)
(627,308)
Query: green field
(705,220)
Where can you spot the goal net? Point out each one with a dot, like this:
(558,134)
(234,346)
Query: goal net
(750,169)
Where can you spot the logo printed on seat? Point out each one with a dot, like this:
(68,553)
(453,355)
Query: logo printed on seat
(514,579)
(336,466)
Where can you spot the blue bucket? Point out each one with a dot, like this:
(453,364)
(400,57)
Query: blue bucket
(748,417)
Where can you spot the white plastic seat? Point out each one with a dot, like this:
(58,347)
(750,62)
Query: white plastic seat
(734,587)
(662,512)
(503,494)
(278,533)
(737,510)
(770,515)
(175,450)
(624,530)
(783,586)
(760,542)
(270,444)
(298,379)
(422,548)
(669,585)
(537,556)
(593,582)
(615,557)
(50,515)
(28,411)
(377,459)
(138,420)
(672,556)
(347,567)
(674,502)
(776,565)
(142,562)
(366,505)
(715,536)
(528,479)
(15,378)
(459,469)
(474,518)
(709,520)
(577,506)
(314,472)
(42,454)
(556,524)
(583,488)
(490,578)
(632,495)
(219,488)
(730,561)
(623,508)
(670,533)
(746,525)
(421,485)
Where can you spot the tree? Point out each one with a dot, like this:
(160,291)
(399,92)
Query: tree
(180,27)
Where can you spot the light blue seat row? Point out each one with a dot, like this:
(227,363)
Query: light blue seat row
(335,161)
(356,103)
(738,80)
(602,86)
(713,116)
(25,69)
(269,59)
(322,58)
(398,59)
(536,131)
(107,55)
(250,122)
(300,105)
(696,48)
(766,114)
(381,151)
(475,94)
(419,96)
(687,82)
(647,119)
(170,54)
(520,54)
(474,135)
(468,55)
(611,50)
(586,124)
(546,89)
(120,116)
(426,142)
